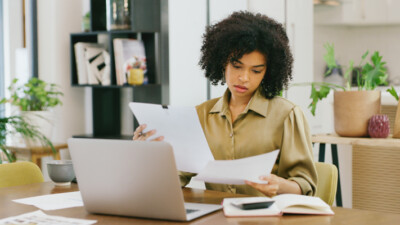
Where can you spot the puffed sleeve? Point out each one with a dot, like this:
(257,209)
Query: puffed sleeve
(296,159)
(185,177)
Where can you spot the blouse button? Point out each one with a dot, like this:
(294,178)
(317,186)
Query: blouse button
(231,135)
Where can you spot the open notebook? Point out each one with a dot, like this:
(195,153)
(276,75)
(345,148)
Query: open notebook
(285,203)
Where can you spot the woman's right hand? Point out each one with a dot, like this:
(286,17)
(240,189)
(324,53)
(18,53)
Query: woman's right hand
(138,135)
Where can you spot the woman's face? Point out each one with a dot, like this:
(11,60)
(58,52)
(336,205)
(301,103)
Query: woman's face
(245,75)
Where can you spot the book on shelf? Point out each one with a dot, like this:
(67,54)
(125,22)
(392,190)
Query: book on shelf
(283,204)
(97,65)
(93,63)
(129,53)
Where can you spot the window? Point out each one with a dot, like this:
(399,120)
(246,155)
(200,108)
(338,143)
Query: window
(1,59)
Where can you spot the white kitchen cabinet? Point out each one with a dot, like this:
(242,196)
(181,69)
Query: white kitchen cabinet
(220,9)
(187,23)
(358,13)
(272,8)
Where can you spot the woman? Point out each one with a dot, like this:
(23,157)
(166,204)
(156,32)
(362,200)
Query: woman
(251,54)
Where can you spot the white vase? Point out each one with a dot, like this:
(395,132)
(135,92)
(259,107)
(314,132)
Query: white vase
(43,121)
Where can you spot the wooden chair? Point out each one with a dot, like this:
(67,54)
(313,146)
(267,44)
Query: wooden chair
(19,173)
(327,181)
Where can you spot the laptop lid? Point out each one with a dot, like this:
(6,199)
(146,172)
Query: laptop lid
(128,178)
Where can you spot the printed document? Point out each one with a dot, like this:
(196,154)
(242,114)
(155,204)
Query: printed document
(180,127)
(239,170)
(40,218)
(54,201)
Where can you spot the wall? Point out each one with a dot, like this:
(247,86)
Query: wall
(13,38)
(56,20)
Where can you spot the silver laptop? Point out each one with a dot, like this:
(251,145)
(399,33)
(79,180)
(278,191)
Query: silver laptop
(131,178)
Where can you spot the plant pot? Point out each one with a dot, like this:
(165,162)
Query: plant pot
(352,111)
(396,130)
(43,121)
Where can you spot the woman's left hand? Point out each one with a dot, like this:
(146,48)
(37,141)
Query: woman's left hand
(276,185)
(271,189)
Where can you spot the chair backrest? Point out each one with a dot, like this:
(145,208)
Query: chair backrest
(19,173)
(327,182)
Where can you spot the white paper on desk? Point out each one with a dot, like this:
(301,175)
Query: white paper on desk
(180,127)
(239,170)
(38,217)
(54,201)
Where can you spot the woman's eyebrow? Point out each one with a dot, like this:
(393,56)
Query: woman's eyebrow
(238,61)
(262,65)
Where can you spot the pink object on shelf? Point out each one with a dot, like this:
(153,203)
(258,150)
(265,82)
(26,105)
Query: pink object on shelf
(378,126)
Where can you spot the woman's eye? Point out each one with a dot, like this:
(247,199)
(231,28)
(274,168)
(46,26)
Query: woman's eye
(236,66)
(256,71)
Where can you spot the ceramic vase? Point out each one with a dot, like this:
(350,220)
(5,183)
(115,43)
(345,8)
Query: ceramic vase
(352,111)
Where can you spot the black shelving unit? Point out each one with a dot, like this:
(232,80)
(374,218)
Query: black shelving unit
(145,24)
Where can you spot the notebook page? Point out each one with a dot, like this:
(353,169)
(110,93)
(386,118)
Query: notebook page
(290,202)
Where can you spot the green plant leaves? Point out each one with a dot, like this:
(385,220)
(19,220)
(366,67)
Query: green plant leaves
(369,78)
(376,74)
(393,93)
(317,95)
(18,125)
(36,95)
(329,58)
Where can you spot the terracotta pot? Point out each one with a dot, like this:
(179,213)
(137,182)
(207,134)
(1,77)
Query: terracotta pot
(396,130)
(352,111)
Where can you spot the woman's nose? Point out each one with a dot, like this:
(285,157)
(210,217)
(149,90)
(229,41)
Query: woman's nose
(244,76)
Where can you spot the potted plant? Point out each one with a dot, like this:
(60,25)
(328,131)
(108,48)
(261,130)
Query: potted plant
(352,108)
(396,129)
(16,124)
(34,99)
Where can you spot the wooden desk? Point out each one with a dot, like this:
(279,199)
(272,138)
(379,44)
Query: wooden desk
(376,170)
(342,215)
(35,153)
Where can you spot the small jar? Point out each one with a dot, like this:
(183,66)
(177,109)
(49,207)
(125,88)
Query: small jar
(118,14)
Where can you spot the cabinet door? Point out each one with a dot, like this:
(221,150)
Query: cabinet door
(187,22)
(359,12)
(393,8)
(272,8)
(299,28)
(219,10)
(372,11)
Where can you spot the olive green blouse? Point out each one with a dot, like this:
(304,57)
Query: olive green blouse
(264,125)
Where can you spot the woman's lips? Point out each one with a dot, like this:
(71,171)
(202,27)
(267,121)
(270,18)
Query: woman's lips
(240,88)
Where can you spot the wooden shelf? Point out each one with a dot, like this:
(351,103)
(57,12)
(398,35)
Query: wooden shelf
(367,141)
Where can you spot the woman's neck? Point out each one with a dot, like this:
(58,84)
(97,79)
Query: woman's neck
(238,102)
(237,106)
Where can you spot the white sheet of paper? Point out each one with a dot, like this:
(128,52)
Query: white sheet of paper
(54,201)
(40,218)
(239,170)
(180,127)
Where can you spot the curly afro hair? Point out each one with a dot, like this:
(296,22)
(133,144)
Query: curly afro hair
(242,33)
